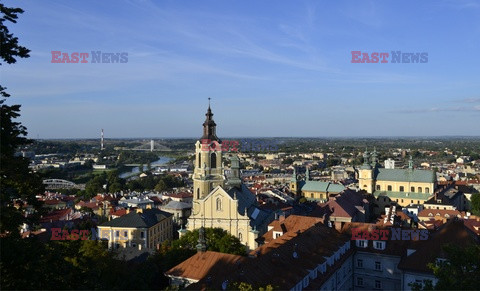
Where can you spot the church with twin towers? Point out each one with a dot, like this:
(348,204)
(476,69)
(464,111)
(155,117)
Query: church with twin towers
(220,199)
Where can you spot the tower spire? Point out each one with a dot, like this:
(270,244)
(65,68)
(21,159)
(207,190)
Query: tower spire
(209,126)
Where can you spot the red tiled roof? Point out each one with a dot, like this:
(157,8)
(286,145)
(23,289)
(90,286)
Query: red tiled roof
(199,265)
(432,213)
(291,223)
(60,214)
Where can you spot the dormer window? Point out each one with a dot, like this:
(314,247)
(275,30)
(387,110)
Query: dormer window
(362,243)
(379,245)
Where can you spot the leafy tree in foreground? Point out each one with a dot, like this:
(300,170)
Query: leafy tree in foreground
(460,272)
(16,180)
(218,240)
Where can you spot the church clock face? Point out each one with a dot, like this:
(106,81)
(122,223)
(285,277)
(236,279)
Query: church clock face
(196,208)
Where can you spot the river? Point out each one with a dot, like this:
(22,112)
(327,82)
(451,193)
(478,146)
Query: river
(161,161)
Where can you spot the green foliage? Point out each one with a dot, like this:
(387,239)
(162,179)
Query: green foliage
(243,286)
(135,157)
(9,44)
(86,265)
(217,239)
(154,182)
(461,271)
(475,199)
(16,180)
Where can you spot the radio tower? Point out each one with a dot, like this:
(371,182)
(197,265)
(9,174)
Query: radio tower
(101,142)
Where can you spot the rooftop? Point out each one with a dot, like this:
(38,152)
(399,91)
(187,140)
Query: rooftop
(145,219)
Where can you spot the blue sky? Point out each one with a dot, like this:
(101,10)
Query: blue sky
(272,68)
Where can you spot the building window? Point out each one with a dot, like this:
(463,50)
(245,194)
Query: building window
(378,284)
(378,187)
(359,263)
(389,188)
(240,236)
(359,281)
(379,245)
(198,193)
(362,243)
(412,189)
(419,190)
(427,190)
(311,195)
(142,234)
(199,160)
(213,160)
(125,234)
(219,204)
(402,189)
(378,266)
(117,233)
(411,201)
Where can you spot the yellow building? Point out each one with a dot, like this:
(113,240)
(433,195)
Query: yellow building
(402,186)
(142,229)
(222,200)
(313,190)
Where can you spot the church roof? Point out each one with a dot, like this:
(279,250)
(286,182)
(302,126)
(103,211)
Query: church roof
(318,186)
(403,195)
(177,205)
(259,218)
(405,175)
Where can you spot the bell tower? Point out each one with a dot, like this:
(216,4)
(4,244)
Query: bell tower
(208,172)
(366,172)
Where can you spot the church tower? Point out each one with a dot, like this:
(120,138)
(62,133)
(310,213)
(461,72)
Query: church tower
(208,172)
(366,172)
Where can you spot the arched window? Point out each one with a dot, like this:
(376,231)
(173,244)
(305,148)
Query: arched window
(402,189)
(199,160)
(412,189)
(419,190)
(378,187)
(219,204)
(213,160)
(198,193)
(240,236)
(427,190)
(389,188)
